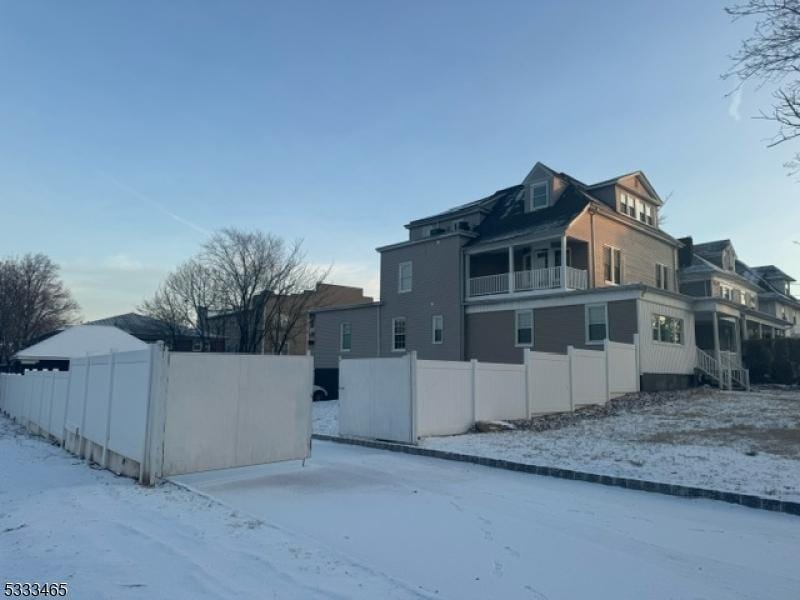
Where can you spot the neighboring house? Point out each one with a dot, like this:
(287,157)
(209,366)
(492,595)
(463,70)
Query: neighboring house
(776,298)
(150,330)
(730,299)
(547,264)
(297,335)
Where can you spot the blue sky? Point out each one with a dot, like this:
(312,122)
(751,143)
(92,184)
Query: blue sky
(130,129)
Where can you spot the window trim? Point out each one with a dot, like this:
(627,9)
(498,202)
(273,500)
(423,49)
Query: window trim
(396,320)
(341,336)
(400,266)
(613,249)
(433,329)
(662,276)
(586,323)
(517,343)
(667,342)
(536,184)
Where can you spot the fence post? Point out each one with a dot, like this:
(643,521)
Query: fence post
(412,369)
(81,438)
(52,397)
(570,354)
(637,360)
(526,361)
(474,366)
(109,407)
(153,456)
(608,368)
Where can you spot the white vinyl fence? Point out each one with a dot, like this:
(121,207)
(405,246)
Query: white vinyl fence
(403,399)
(149,413)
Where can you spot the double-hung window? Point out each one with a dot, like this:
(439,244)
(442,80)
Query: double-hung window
(523,328)
(538,196)
(345,337)
(404,274)
(437,329)
(648,214)
(398,334)
(662,276)
(596,323)
(667,330)
(612,265)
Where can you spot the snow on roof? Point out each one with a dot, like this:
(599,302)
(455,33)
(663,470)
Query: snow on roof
(81,340)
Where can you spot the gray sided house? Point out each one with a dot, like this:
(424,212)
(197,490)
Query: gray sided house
(546,264)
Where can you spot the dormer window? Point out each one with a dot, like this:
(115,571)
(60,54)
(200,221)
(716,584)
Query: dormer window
(627,205)
(539,195)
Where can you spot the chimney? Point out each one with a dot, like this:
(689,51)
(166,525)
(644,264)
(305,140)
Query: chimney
(685,253)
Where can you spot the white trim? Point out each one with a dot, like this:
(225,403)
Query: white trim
(613,264)
(400,266)
(395,320)
(586,308)
(433,329)
(341,336)
(569,299)
(516,328)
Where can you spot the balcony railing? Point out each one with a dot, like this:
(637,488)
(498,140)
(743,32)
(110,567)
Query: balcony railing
(525,281)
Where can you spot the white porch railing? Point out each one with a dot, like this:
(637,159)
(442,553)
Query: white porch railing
(727,372)
(488,284)
(525,281)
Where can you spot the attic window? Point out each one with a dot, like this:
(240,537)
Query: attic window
(538,196)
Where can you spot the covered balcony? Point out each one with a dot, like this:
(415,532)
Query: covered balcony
(528,268)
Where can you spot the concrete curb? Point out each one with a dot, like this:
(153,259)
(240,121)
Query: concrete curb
(670,489)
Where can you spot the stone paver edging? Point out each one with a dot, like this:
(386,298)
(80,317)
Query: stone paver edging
(671,489)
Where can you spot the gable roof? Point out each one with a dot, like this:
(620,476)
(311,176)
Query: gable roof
(142,326)
(80,340)
(642,177)
(772,272)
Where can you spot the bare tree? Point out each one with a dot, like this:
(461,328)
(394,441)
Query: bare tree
(250,287)
(33,301)
(771,56)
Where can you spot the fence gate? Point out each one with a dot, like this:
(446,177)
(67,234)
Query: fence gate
(375,399)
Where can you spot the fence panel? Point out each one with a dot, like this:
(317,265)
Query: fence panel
(500,392)
(444,397)
(623,377)
(232,410)
(375,398)
(588,377)
(130,392)
(549,383)
(58,405)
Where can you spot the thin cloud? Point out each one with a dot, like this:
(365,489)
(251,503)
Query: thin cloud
(157,205)
(736,102)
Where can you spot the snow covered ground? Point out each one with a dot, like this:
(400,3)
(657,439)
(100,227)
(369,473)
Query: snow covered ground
(455,530)
(731,441)
(61,521)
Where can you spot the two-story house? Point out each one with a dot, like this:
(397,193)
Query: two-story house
(546,264)
(734,302)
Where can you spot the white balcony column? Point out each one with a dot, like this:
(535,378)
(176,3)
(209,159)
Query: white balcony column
(468,269)
(564,261)
(511,269)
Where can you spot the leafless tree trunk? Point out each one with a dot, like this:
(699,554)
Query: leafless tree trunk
(33,302)
(771,56)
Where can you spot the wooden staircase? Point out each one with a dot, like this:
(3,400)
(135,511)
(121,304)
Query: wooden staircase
(726,373)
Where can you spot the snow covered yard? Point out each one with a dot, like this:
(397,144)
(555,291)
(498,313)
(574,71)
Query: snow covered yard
(106,537)
(746,442)
(730,441)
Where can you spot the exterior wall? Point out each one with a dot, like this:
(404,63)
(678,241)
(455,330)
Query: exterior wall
(436,289)
(777,308)
(658,357)
(364,335)
(490,335)
(640,251)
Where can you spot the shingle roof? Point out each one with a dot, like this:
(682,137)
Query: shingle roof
(710,248)
(141,326)
(509,219)
(773,272)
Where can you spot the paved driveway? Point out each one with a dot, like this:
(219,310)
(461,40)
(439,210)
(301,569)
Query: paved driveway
(454,530)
